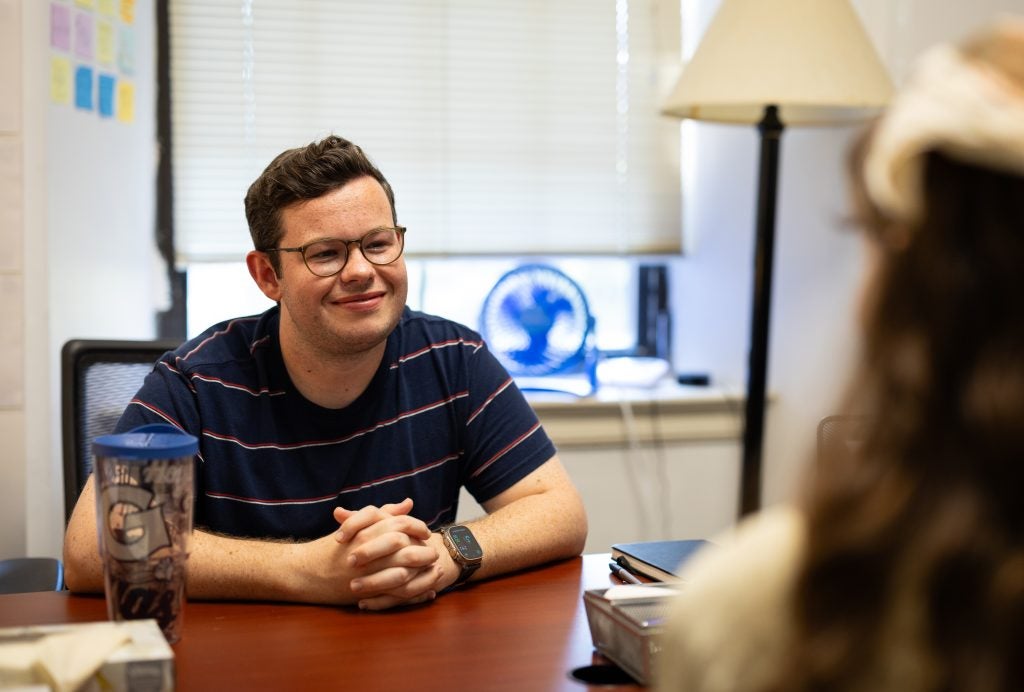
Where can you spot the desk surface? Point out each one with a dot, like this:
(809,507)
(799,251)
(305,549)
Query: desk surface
(520,632)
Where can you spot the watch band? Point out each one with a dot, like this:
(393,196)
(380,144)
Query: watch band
(466,572)
(466,567)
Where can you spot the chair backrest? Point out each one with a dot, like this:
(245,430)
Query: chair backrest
(98,379)
(840,435)
(27,574)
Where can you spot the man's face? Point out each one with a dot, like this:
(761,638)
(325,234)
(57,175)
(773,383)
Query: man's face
(354,310)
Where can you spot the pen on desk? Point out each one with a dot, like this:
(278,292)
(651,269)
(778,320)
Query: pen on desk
(623,573)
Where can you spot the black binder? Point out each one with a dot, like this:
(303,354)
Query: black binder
(659,560)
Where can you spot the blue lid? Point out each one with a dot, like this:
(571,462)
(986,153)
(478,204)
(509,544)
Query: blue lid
(154,441)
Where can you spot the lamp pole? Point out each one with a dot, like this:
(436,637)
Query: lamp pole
(770,128)
(734,76)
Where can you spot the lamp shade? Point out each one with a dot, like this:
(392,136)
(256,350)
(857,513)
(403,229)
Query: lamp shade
(811,58)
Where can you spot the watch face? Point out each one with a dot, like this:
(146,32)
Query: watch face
(463,540)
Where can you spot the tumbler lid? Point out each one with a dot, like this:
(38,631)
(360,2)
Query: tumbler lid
(153,441)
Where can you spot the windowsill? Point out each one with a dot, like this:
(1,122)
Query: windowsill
(623,416)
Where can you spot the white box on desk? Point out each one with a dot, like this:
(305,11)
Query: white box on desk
(144,662)
(628,630)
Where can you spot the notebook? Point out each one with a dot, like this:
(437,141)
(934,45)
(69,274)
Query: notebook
(659,560)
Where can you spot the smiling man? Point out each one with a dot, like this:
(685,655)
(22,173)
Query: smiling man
(337,428)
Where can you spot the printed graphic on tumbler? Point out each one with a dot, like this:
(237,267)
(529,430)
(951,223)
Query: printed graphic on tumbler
(146,523)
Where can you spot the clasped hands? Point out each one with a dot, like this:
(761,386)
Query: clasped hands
(395,559)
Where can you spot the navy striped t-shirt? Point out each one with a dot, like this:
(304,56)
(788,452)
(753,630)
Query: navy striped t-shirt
(440,413)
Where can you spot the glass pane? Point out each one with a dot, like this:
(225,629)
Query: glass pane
(452,288)
(456,289)
(219,291)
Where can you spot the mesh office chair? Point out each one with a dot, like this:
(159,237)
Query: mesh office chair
(98,379)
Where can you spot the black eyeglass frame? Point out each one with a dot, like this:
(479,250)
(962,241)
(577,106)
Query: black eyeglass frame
(400,232)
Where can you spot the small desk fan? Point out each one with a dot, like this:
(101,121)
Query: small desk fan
(537,323)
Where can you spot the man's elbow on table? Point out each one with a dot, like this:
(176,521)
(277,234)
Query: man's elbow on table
(566,511)
(83,571)
(540,518)
(578,526)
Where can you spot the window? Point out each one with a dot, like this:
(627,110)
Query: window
(527,127)
(508,130)
(221,290)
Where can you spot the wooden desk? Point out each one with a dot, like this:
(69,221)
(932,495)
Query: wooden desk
(523,632)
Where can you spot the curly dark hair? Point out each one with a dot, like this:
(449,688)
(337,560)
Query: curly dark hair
(929,513)
(302,174)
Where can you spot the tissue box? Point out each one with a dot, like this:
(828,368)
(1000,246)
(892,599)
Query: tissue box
(145,662)
(625,624)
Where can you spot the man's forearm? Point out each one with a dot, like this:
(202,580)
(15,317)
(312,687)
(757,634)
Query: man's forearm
(224,567)
(531,532)
(533,527)
(319,571)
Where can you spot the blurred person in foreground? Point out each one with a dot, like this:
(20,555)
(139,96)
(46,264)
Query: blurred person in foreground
(902,565)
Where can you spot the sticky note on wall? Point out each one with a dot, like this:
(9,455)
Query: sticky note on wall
(126,50)
(60,27)
(105,42)
(125,102)
(83,87)
(105,95)
(83,35)
(60,80)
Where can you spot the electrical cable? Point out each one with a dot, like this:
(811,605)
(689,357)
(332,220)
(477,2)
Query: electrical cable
(632,452)
(661,466)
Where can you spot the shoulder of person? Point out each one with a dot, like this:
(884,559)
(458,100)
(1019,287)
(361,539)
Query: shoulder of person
(434,328)
(230,341)
(773,536)
(732,621)
(754,561)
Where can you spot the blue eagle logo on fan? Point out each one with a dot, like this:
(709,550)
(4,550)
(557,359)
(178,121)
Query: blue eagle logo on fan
(537,323)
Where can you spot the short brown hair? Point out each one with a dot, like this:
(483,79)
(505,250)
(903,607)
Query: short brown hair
(302,174)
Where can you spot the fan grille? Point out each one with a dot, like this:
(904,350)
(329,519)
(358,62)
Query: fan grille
(536,321)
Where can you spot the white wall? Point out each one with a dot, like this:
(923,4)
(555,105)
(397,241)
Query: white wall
(817,264)
(87,191)
(13,274)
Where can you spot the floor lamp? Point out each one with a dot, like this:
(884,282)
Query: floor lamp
(776,63)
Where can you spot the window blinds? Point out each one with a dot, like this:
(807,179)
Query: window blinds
(526,127)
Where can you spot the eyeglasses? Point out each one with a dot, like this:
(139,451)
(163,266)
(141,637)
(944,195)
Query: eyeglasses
(328,257)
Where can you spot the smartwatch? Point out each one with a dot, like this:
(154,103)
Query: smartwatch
(463,548)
